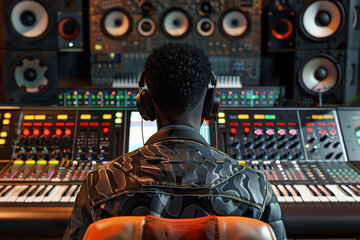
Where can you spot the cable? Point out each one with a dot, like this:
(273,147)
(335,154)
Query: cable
(142,130)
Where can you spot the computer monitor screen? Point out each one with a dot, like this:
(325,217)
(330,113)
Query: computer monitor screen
(137,137)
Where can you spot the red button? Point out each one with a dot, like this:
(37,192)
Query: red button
(94,124)
(37,124)
(245,124)
(292,132)
(321,124)
(310,124)
(67,132)
(26,132)
(234,124)
(280,124)
(36,132)
(105,124)
(331,124)
(309,129)
(27,124)
(281,132)
(233,131)
(58,132)
(70,124)
(257,124)
(270,132)
(258,132)
(105,130)
(322,131)
(333,132)
(48,124)
(269,124)
(246,130)
(292,124)
(84,124)
(46,132)
(60,124)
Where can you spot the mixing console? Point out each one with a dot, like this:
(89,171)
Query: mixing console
(264,96)
(124,33)
(301,151)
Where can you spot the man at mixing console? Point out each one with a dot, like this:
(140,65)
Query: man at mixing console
(176,174)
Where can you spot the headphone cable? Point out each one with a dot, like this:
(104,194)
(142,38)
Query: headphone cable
(142,131)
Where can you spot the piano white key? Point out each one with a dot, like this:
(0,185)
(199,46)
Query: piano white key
(12,194)
(67,197)
(340,195)
(60,193)
(15,195)
(278,194)
(294,194)
(31,198)
(305,193)
(319,194)
(351,192)
(24,196)
(52,193)
(287,197)
(328,194)
(73,198)
(4,190)
(42,195)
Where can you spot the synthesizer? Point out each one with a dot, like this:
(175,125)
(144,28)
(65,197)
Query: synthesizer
(310,156)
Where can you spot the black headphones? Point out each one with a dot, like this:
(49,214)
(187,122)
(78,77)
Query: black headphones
(146,107)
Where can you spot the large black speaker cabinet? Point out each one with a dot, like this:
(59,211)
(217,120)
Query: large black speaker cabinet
(28,77)
(334,73)
(28,24)
(328,24)
(70,25)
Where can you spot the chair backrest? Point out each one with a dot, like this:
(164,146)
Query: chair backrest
(152,228)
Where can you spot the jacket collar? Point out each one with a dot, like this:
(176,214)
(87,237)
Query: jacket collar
(179,132)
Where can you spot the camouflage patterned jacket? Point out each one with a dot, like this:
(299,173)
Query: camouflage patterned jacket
(175,175)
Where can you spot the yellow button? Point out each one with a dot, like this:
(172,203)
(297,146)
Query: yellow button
(7,115)
(107,116)
(221,120)
(62,117)
(53,162)
(243,116)
(3,134)
(118,121)
(328,116)
(85,116)
(2,141)
(41,162)
(18,162)
(119,115)
(40,117)
(221,114)
(317,116)
(30,162)
(29,117)
(242,162)
(259,116)
(6,122)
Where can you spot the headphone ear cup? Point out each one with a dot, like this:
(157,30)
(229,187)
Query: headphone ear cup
(211,104)
(145,106)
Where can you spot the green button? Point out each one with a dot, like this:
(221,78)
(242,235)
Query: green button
(86,96)
(68,97)
(264,102)
(69,103)
(98,96)
(112,96)
(134,102)
(79,97)
(93,102)
(236,103)
(106,102)
(134,97)
(263,96)
(223,96)
(106,96)
(60,96)
(122,97)
(224,102)
(358,141)
(242,96)
(74,96)
(236,96)
(93,97)
(270,96)
(248,96)
(127,96)
(229,96)
(256,96)
(276,96)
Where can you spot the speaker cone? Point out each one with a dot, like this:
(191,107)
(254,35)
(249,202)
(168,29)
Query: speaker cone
(146,27)
(31,74)
(176,23)
(116,23)
(319,74)
(321,19)
(205,27)
(234,23)
(282,29)
(69,28)
(30,19)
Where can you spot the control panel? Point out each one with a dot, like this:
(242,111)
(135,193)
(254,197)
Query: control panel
(9,117)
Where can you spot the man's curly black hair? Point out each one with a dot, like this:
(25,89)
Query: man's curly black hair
(177,75)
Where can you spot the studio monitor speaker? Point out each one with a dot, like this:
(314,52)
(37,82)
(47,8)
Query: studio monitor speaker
(28,77)
(28,24)
(70,25)
(328,24)
(333,73)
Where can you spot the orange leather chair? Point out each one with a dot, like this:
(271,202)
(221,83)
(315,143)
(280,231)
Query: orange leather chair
(152,228)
